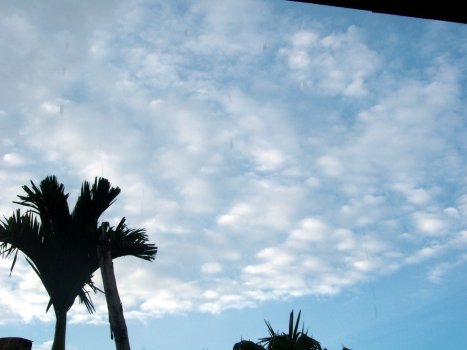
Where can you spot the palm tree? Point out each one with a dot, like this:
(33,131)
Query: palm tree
(61,247)
(294,340)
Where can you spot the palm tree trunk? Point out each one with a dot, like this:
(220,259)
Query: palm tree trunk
(114,305)
(60,330)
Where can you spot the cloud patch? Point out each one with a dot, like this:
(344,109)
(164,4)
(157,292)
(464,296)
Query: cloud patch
(317,60)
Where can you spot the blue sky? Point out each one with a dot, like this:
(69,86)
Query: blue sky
(281,156)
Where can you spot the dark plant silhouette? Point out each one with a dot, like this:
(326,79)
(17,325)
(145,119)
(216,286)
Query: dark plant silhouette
(247,345)
(293,340)
(61,247)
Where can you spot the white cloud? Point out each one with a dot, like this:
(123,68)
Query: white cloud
(13,159)
(211,268)
(230,27)
(266,204)
(417,196)
(198,196)
(313,182)
(437,273)
(425,253)
(462,202)
(235,214)
(44,346)
(459,240)
(48,345)
(452,212)
(304,39)
(430,224)
(167,302)
(50,108)
(310,230)
(22,296)
(268,159)
(346,239)
(330,165)
(338,63)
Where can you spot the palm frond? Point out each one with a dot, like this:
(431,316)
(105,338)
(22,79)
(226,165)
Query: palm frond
(125,241)
(268,340)
(85,298)
(49,305)
(92,202)
(43,278)
(6,248)
(295,333)
(270,329)
(14,262)
(33,266)
(49,201)
(19,232)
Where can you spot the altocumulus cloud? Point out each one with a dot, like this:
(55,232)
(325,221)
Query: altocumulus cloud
(249,195)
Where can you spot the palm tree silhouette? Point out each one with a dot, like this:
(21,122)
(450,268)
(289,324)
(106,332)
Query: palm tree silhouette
(61,247)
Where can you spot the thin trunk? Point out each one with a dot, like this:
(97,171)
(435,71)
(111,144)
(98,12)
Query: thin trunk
(60,330)
(114,305)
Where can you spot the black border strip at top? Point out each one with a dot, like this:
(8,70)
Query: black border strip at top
(447,10)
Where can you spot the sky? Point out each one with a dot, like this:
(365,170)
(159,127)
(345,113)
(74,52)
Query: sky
(282,156)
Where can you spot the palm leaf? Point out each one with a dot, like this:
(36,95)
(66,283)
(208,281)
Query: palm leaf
(134,242)
(48,305)
(268,340)
(85,298)
(14,262)
(19,232)
(92,202)
(296,333)
(49,201)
